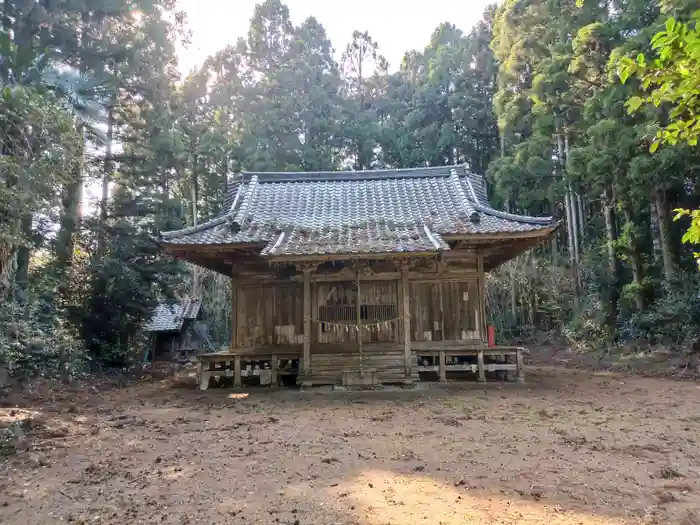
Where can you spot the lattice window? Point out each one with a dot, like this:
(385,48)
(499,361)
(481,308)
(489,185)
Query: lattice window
(341,313)
(337,305)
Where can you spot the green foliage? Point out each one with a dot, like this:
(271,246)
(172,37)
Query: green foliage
(66,291)
(543,298)
(671,320)
(692,235)
(672,79)
(572,147)
(39,146)
(35,335)
(529,96)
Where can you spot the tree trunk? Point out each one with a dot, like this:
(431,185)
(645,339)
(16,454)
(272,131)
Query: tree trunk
(533,296)
(224,173)
(657,255)
(570,218)
(10,222)
(513,287)
(196,271)
(610,235)
(194,189)
(633,253)
(24,252)
(8,257)
(573,203)
(106,179)
(554,242)
(581,220)
(8,26)
(575,226)
(71,213)
(609,213)
(662,212)
(636,264)
(567,203)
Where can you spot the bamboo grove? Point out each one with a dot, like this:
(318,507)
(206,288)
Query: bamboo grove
(104,144)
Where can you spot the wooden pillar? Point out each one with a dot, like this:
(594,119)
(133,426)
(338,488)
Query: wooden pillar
(406,311)
(520,365)
(234,311)
(203,375)
(315,325)
(441,366)
(481,283)
(481,365)
(274,374)
(440,285)
(306,357)
(237,381)
(358,319)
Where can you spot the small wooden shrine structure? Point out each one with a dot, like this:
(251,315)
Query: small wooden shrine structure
(173,331)
(356,277)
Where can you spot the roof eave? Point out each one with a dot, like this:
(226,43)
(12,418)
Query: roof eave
(223,247)
(195,229)
(504,235)
(526,219)
(162,331)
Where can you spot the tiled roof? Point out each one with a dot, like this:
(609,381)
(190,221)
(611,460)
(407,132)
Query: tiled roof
(362,238)
(169,318)
(380,211)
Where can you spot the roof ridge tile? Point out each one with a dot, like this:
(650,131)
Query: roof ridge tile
(347,175)
(242,214)
(469,208)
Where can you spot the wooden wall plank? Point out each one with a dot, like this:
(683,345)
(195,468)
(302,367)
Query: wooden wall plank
(445,310)
(269,314)
(329,361)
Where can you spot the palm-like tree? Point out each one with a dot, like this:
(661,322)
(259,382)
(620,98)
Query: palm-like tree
(35,93)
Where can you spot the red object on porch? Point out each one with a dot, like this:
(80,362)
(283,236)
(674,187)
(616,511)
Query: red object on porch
(491,331)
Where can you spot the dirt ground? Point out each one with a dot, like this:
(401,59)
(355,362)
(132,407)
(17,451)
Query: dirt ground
(569,447)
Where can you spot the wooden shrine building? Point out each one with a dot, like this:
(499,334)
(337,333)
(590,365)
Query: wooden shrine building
(355,277)
(175,332)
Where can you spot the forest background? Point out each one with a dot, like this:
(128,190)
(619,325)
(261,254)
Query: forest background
(586,111)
